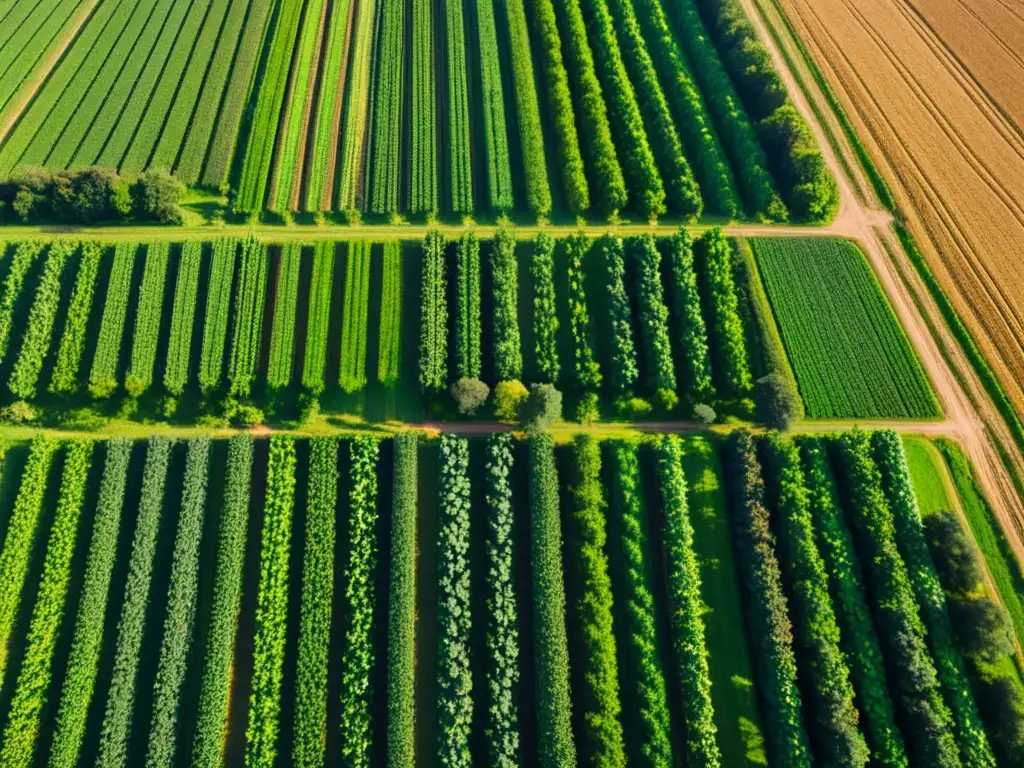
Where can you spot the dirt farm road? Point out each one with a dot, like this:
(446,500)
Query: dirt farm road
(971,416)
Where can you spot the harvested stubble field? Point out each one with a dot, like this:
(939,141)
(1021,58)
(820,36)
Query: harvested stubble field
(933,88)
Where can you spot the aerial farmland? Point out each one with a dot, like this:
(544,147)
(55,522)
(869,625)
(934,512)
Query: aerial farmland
(510,382)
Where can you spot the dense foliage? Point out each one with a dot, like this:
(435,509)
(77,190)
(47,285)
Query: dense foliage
(389,339)
(103,377)
(545,316)
(596,668)
(385,182)
(433,315)
(688,325)
(227,603)
(355,317)
(686,605)
(286,306)
(458,126)
(928,726)
(148,313)
(179,619)
(423,186)
(401,736)
(623,363)
(218,308)
(309,734)
(587,373)
(864,655)
(467,307)
(247,318)
(768,619)
(271,631)
(551,648)
(35,675)
(455,680)
(721,313)
(65,376)
(507,354)
(660,371)
(314,361)
(499,170)
(502,724)
(179,344)
(117,718)
(833,729)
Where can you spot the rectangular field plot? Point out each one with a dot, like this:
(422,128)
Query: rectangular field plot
(849,353)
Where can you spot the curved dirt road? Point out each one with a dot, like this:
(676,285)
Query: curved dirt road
(973,418)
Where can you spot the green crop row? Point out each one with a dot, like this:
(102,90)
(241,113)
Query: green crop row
(386,127)
(21,262)
(103,376)
(458,127)
(688,325)
(148,313)
(315,361)
(507,352)
(390,335)
(183,314)
(545,316)
(423,187)
(353,131)
(217,314)
(499,169)
(433,372)
(467,307)
(660,370)
(354,320)
(65,376)
(247,321)
(286,307)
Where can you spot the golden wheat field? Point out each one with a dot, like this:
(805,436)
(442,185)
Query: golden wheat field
(936,90)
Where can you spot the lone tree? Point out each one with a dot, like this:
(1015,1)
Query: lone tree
(777,401)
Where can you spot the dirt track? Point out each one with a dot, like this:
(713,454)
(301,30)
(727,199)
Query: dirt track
(972,418)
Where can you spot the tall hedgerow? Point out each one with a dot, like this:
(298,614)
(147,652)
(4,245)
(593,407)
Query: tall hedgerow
(646,693)
(596,672)
(502,724)
(508,353)
(433,315)
(179,620)
(35,676)
(361,597)
(687,607)
(261,735)
(402,605)
(455,680)
(545,315)
(218,656)
(867,668)
(65,377)
(661,371)
(891,459)
(467,299)
(833,728)
(117,718)
(721,310)
(310,731)
(624,372)
(687,319)
(587,371)
(927,722)
(83,661)
(768,620)
(555,745)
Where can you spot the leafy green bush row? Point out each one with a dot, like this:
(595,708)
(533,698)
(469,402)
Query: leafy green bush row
(22,259)
(83,661)
(354,317)
(545,314)
(217,314)
(361,597)
(553,704)
(467,301)
(314,363)
(247,322)
(384,151)
(423,188)
(623,356)
(309,735)
(390,338)
(219,652)
(117,717)
(402,605)
(433,315)
(596,673)
(64,379)
(688,325)
(687,606)
(768,622)
(286,307)
(179,620)
(499,169)
(660,368)
(103,376)
(179,345)
(830,693)
(261,735)
(455,681)
(35,675)
(148,313)
(502,724)
(721,311)
(587,373)
(508,353)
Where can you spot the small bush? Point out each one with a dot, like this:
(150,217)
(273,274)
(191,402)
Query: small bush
(18,412)
(704,413)
(777,402)
(542,408)
(469,394)
(587,410)
(633,408)
(665,400)
(509,397)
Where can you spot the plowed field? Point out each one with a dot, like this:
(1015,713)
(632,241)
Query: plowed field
(936,90)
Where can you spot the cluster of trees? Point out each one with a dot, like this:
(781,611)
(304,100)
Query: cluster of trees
(401,690)
(360,576)
(88,196)
(261,735)
(317,601)
(810,190)
(117,717)
(769,625)
(502,723)
(219,652)
(35,675)
(455,680)
(981,632)
(596,673)
(555,745)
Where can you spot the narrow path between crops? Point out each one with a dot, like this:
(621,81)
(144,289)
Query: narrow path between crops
(973,418)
